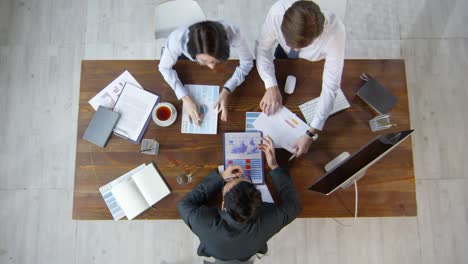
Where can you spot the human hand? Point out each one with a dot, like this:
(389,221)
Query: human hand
(271,100)
(192,110)
(233,171)
(302,145)
(269,149)
(221,103)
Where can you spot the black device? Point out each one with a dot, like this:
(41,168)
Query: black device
(355,166)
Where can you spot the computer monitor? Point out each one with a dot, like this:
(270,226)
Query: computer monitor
(353,167)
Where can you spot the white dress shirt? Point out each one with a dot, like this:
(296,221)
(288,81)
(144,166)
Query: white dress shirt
(329,46)
(177,44)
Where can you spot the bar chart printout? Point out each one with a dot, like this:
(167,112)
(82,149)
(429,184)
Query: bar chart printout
(240,148)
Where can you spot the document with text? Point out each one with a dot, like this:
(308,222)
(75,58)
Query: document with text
(134,106)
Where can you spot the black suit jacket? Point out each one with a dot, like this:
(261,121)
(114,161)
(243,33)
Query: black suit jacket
(224,238)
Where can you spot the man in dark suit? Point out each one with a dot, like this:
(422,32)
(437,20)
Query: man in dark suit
(244,224)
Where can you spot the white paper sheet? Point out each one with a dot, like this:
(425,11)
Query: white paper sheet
(250,117)
(266,195)
(134,106)
(108,96)
(130,198)
(284,128)
(151,185)
(205,96)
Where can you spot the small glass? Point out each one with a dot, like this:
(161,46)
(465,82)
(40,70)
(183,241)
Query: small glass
(184,178)
(380,122)
(149,146)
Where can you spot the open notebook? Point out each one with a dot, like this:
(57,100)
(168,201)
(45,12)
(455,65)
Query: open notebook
(140,191)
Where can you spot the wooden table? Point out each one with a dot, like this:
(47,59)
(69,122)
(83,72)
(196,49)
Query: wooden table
(388,189)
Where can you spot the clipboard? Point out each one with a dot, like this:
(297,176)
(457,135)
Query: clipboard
(240,148)
(123,133)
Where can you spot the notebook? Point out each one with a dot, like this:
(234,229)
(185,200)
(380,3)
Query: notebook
(377,96)
(135,106)
(101,126)
(108,196)
(140,191)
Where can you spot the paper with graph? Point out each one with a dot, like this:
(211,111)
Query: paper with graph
(205,96)
(240,148)
(284,128)
(108,96)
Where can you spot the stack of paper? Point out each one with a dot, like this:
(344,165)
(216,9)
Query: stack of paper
(126,96)
(134,106)
(108,96)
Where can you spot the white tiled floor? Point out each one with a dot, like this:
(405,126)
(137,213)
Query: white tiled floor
(42,43)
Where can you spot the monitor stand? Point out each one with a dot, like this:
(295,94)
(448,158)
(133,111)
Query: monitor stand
(337,162)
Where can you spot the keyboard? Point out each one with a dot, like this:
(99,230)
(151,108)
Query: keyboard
(308,108)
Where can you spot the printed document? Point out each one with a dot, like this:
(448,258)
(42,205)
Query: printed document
(134,106)
(205,96)
(108,96)
(284,128)
(240,148)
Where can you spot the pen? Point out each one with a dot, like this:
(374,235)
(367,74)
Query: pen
(146,150)
(292,157)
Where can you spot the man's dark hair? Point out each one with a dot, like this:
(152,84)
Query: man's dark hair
(302,23)
(242,202)
(208,37)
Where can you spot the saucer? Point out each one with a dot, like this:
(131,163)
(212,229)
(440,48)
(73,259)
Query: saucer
(168,122)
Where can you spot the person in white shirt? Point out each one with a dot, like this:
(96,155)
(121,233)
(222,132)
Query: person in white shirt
(207,43)
(304,31)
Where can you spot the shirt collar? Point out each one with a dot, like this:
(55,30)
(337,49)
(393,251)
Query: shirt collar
(185,40)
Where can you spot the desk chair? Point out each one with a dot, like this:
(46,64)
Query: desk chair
(228,262)
(173,14)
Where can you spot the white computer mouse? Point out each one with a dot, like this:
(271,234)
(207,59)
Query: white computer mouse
(290,84)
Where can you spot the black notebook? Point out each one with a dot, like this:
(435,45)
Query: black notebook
(101,126)
(377,96)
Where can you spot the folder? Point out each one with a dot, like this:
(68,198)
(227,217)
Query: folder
(135,106)
(101,126)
